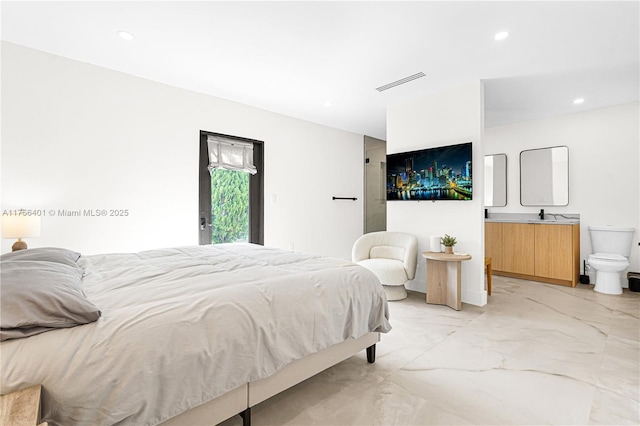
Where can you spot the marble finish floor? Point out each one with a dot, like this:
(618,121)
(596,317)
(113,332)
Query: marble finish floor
(535,354)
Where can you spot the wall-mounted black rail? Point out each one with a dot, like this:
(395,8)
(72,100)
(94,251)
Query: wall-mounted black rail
(345,198)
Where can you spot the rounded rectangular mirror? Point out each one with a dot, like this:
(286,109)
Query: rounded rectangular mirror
(544,177)
(495,180)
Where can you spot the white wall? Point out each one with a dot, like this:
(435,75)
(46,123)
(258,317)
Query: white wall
(451,117)
(604,166)
(76,136)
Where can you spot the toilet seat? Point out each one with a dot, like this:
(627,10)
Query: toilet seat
(606,257)
(608,268)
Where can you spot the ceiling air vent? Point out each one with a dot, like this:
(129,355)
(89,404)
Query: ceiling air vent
(399,82)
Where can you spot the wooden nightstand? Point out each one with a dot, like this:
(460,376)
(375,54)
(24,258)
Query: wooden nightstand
(444,278)
(21,408)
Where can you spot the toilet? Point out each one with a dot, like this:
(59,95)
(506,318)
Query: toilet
(611,247)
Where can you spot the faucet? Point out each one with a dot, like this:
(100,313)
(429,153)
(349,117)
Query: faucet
(541,214)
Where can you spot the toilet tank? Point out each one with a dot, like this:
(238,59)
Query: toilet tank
(611,239)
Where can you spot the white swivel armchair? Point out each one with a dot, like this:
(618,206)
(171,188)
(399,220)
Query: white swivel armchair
(391,256)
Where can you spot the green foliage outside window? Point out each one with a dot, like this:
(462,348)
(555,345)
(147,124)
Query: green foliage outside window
(229,206)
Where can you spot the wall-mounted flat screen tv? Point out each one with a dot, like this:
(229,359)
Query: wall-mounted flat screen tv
(441,173)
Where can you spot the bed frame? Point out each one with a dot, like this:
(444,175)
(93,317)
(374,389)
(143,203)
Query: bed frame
(242,399)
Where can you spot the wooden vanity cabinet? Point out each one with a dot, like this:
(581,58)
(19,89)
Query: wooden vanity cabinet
(538,252)
(493,243)
(554,252)
(518,248)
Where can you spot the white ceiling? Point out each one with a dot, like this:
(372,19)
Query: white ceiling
(293,57)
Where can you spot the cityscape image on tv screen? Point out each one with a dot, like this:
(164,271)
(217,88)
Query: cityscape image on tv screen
(442,173)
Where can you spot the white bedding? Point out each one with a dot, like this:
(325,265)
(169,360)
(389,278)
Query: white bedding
(182,326)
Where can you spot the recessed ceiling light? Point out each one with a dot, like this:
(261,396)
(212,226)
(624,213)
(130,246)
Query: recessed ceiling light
(578,101)
(328,104)
(125,35)
(501,35)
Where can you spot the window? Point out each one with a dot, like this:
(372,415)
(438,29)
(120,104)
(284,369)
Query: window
(231,198)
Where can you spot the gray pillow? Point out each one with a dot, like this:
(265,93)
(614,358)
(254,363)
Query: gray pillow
(49,254)
(38,296)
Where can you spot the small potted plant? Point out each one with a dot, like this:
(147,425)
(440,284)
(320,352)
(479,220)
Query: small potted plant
(448,242)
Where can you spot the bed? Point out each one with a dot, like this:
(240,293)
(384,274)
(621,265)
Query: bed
(190,335)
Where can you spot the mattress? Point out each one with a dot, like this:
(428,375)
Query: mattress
(182,326)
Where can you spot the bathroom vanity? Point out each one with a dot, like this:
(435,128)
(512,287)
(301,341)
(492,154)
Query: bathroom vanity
(538,250)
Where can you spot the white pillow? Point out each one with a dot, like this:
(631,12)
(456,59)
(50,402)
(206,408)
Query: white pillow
(38,296)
